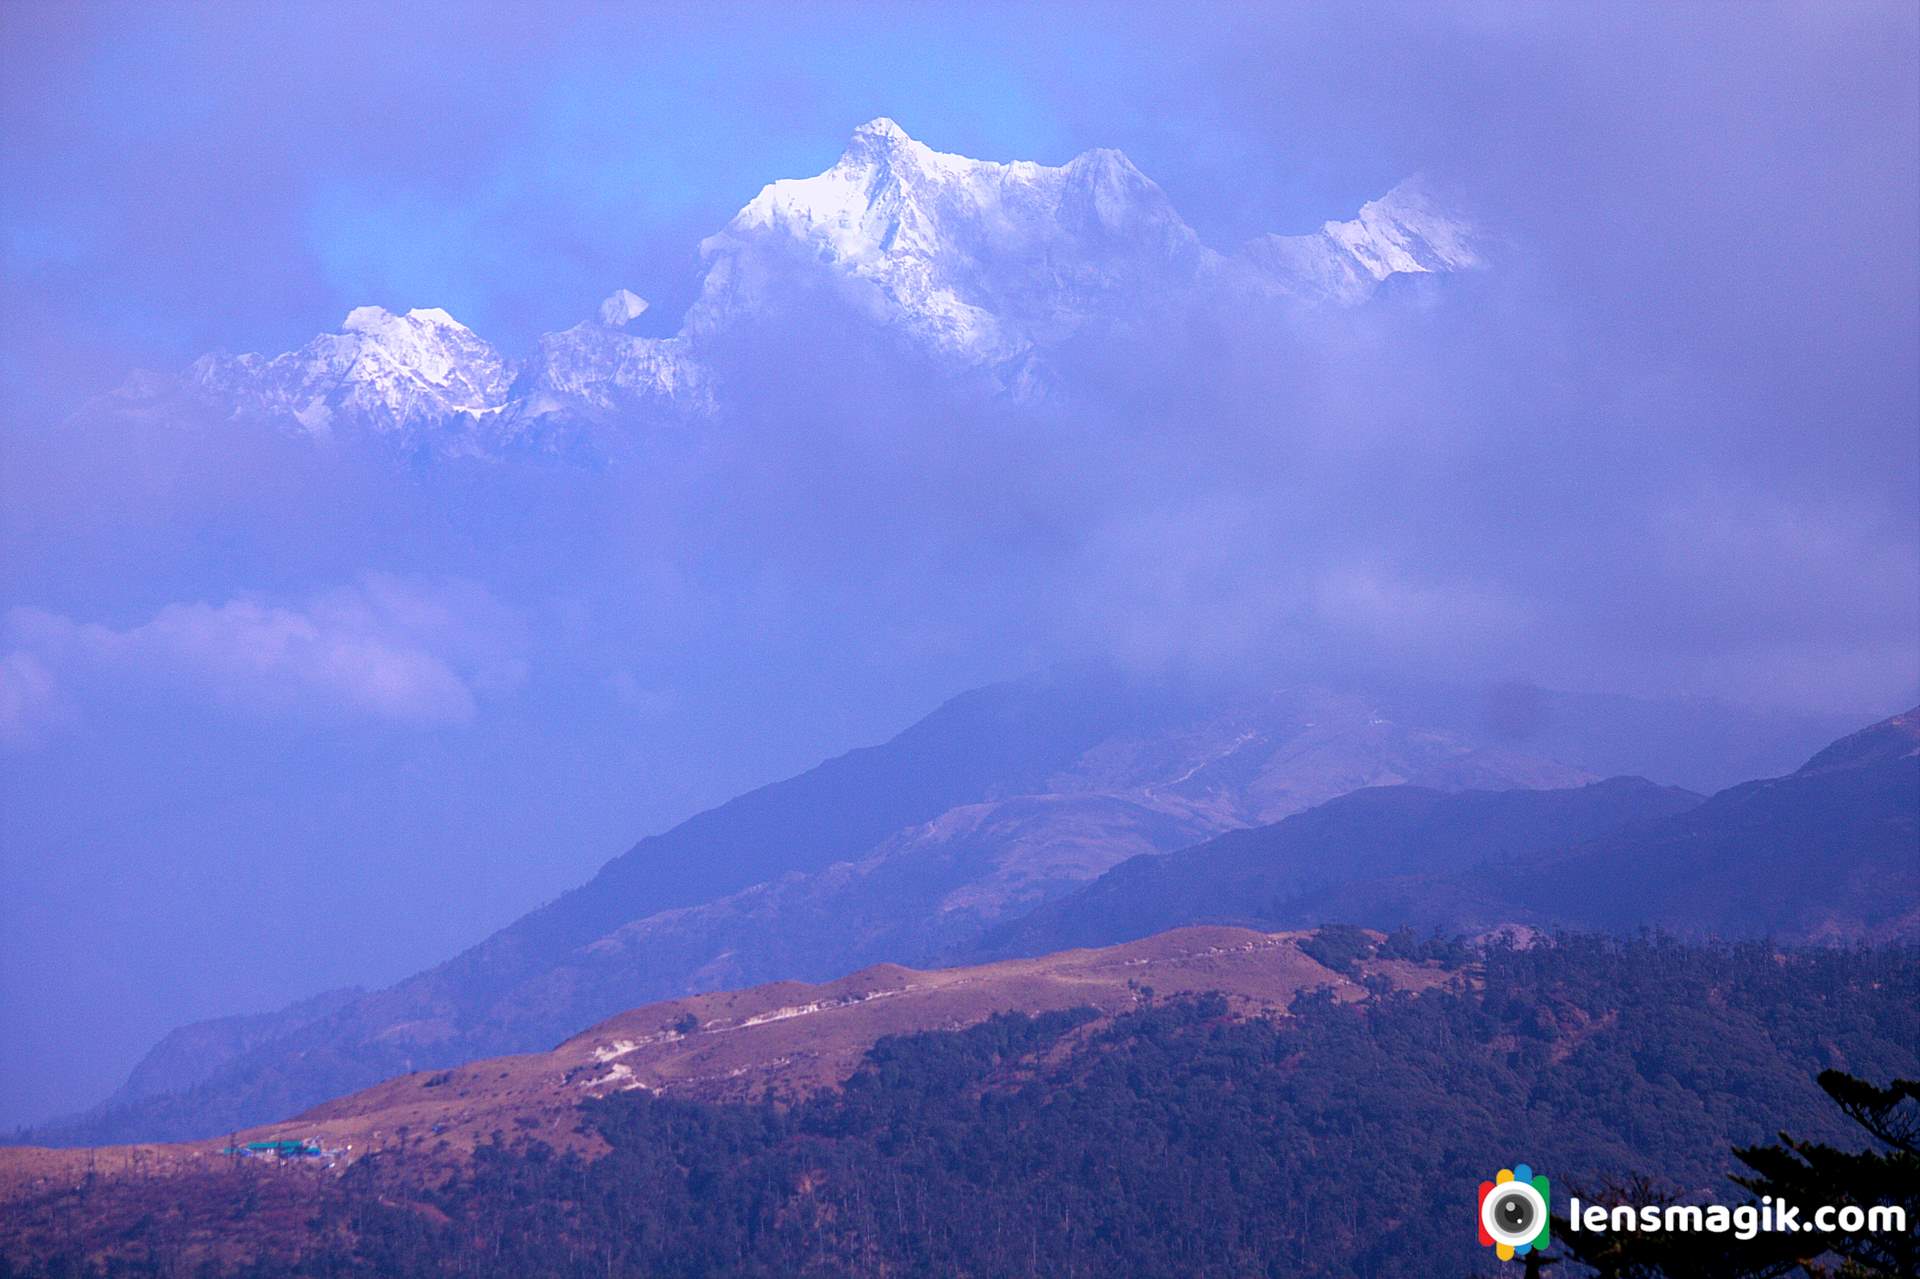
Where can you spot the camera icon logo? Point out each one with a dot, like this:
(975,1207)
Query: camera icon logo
(1513,1212)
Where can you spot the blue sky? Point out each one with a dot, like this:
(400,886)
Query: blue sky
(1667,446)
(184,178)
(223,175)
(191,177)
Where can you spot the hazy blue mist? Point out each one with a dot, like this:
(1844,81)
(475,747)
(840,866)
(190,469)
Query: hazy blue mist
(274,720)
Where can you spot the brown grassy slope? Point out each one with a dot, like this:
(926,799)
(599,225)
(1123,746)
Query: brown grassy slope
(783,1039)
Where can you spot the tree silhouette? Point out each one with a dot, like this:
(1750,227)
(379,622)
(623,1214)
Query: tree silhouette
(1887,1172)
(1805,1174)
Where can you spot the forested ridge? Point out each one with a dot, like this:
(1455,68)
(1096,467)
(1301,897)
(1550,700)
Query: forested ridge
(1346,1140)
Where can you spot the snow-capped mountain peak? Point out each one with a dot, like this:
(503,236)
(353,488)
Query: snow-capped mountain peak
(977,265)
(597,367)
(971,259)
(881,136)
(426,345)
(379,320)
(622,307)
(1404,232)
(382,370)
(877,200)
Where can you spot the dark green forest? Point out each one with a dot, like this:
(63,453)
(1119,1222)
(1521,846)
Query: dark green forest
(1347,1140)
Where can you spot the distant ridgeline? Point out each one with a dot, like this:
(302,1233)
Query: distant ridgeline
(1081,809)
(1345,1140)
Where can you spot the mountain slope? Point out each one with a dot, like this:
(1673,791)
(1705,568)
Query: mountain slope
(1207,1101)
(1830,852)
(188,1055)
(999,801)
(787,1038)
(1266,872)
(1002,801)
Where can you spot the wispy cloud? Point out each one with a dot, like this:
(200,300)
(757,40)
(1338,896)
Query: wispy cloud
(30,706)
(384,648)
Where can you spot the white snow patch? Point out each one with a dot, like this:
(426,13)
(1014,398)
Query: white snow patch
(622,307)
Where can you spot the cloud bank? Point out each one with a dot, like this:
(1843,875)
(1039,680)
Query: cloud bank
(383,649)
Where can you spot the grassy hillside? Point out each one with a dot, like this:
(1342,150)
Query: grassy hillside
(1345,1140)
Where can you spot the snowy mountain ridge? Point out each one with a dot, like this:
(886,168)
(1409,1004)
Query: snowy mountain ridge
(387,372)
(1402,233)
(975,260)
(974,264)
